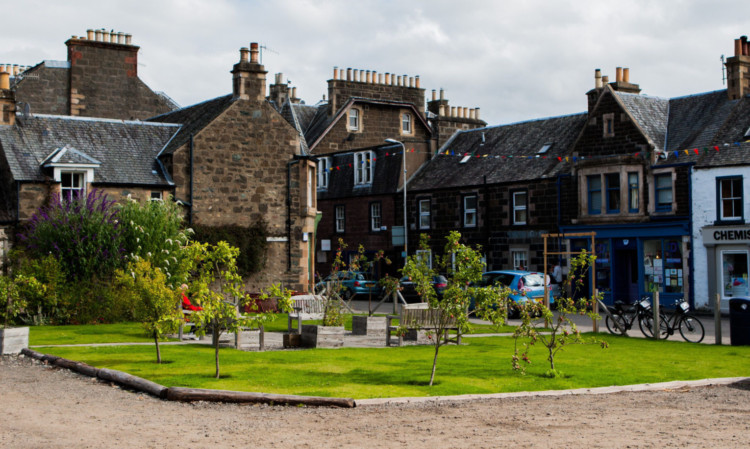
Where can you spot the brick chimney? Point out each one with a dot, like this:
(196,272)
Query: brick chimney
(738,70)
(249,76)
(7,101)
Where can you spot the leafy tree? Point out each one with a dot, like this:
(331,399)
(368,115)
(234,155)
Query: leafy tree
(558,329)
(153,231)
(156,304)
(217,288)
(463,265)
(13,291)
(82,234)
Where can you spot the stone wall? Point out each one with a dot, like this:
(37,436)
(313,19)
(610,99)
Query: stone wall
(45,90)
(339,92)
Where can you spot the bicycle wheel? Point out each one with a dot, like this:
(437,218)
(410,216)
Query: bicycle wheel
(691,329)
(613,318)
(646,323)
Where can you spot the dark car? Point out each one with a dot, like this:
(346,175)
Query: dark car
(410,294)
(352,283)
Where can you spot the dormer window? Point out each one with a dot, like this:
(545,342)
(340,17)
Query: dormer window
(354,122)
(324,164)
(406,123)
(72,185)
(363,168)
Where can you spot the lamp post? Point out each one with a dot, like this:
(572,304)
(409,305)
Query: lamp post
(406,232)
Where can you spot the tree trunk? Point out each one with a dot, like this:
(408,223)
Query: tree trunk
(215,341)
(434,360)
(158,351)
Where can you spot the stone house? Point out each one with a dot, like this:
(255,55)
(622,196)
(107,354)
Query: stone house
(98,79)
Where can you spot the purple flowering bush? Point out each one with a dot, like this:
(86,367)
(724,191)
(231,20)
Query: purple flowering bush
(83,235)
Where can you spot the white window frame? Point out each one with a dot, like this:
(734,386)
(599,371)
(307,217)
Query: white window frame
(407,123)
(354,120)
(376,216)
(156,195)
(324,164)
(363,168)
(520,207)
(425,254)
(470,214)
(736,196)
(424,214)
(81,188)
(517,255)
(340,218)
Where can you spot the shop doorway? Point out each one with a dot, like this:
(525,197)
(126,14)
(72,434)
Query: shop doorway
(625,273)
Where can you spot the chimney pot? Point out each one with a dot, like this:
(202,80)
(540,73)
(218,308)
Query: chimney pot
(393,80)
(254,51)
(598,78)
(348,74)
(387,78)
(128,39)
(120,37)
(416,81)
(4,81)
(411,81)
(380,78)
(453,111)
(398,83)
(368,79)
(618,74)
(374,77)
(626,74)
(442,94)
(15,69)
(335,72)
(98,35)
(471,114)
(441,110)
(356,75)
(90,34)
(605,79)
(434,95)
(476,113)
(244,54)
(465,113)
(112,37)
(294,92)
(105,36)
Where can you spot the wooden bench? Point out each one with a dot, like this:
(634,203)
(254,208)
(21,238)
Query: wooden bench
(419,317)
(305,307)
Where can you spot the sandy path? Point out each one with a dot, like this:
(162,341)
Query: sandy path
(55,408)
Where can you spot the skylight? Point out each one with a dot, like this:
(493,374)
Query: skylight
(465,158)
(545,148)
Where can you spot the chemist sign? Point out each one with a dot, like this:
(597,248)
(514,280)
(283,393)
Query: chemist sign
(725,235)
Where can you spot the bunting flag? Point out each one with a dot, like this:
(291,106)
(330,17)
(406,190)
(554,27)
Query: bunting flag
(452,153)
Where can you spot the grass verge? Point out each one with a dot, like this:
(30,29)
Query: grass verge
(480,366)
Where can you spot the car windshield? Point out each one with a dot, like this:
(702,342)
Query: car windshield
(497,278)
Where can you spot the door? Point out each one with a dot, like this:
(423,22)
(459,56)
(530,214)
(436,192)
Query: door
(626,277)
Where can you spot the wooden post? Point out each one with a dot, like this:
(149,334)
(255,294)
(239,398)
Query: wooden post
(717,319)
(261,338)
(655,309)
(595,306)
(546,290)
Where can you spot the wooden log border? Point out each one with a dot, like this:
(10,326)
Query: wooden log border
(187,394)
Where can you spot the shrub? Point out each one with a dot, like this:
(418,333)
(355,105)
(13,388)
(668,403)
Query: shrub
(82,234)
(251,241)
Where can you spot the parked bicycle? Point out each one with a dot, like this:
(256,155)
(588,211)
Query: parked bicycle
(622,317)
(690,327)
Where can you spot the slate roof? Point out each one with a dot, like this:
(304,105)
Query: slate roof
(386,172)
(502,154)
(650,113)
(126,149)
(193,119)
(318,123)
(299,116)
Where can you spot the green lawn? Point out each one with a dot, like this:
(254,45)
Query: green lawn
(482,365)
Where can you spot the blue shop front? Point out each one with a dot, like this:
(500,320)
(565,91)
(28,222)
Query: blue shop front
(636,260)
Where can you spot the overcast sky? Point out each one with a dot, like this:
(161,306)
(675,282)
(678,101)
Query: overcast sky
(516,60)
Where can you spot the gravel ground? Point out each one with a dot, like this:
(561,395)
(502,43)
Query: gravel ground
(49,407)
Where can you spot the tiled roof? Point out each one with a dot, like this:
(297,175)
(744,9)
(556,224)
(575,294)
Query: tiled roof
(193,118)
(650,113)
(500,154)
(126,149)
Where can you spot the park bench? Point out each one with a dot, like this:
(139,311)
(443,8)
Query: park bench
(305,307)
(418,317)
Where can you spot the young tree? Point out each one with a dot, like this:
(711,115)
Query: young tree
(463,265)
(559,330)
(156,304)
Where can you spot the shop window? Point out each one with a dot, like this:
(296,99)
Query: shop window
(519,208)
(603,266)
(662,266)
(424,214)
(729,191)
(594,184)
(734,271)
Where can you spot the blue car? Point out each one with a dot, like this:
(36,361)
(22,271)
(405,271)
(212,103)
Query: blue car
(525,285)
(352,283)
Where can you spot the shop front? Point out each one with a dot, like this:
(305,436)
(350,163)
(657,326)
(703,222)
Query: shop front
(728,259)
(636,260)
